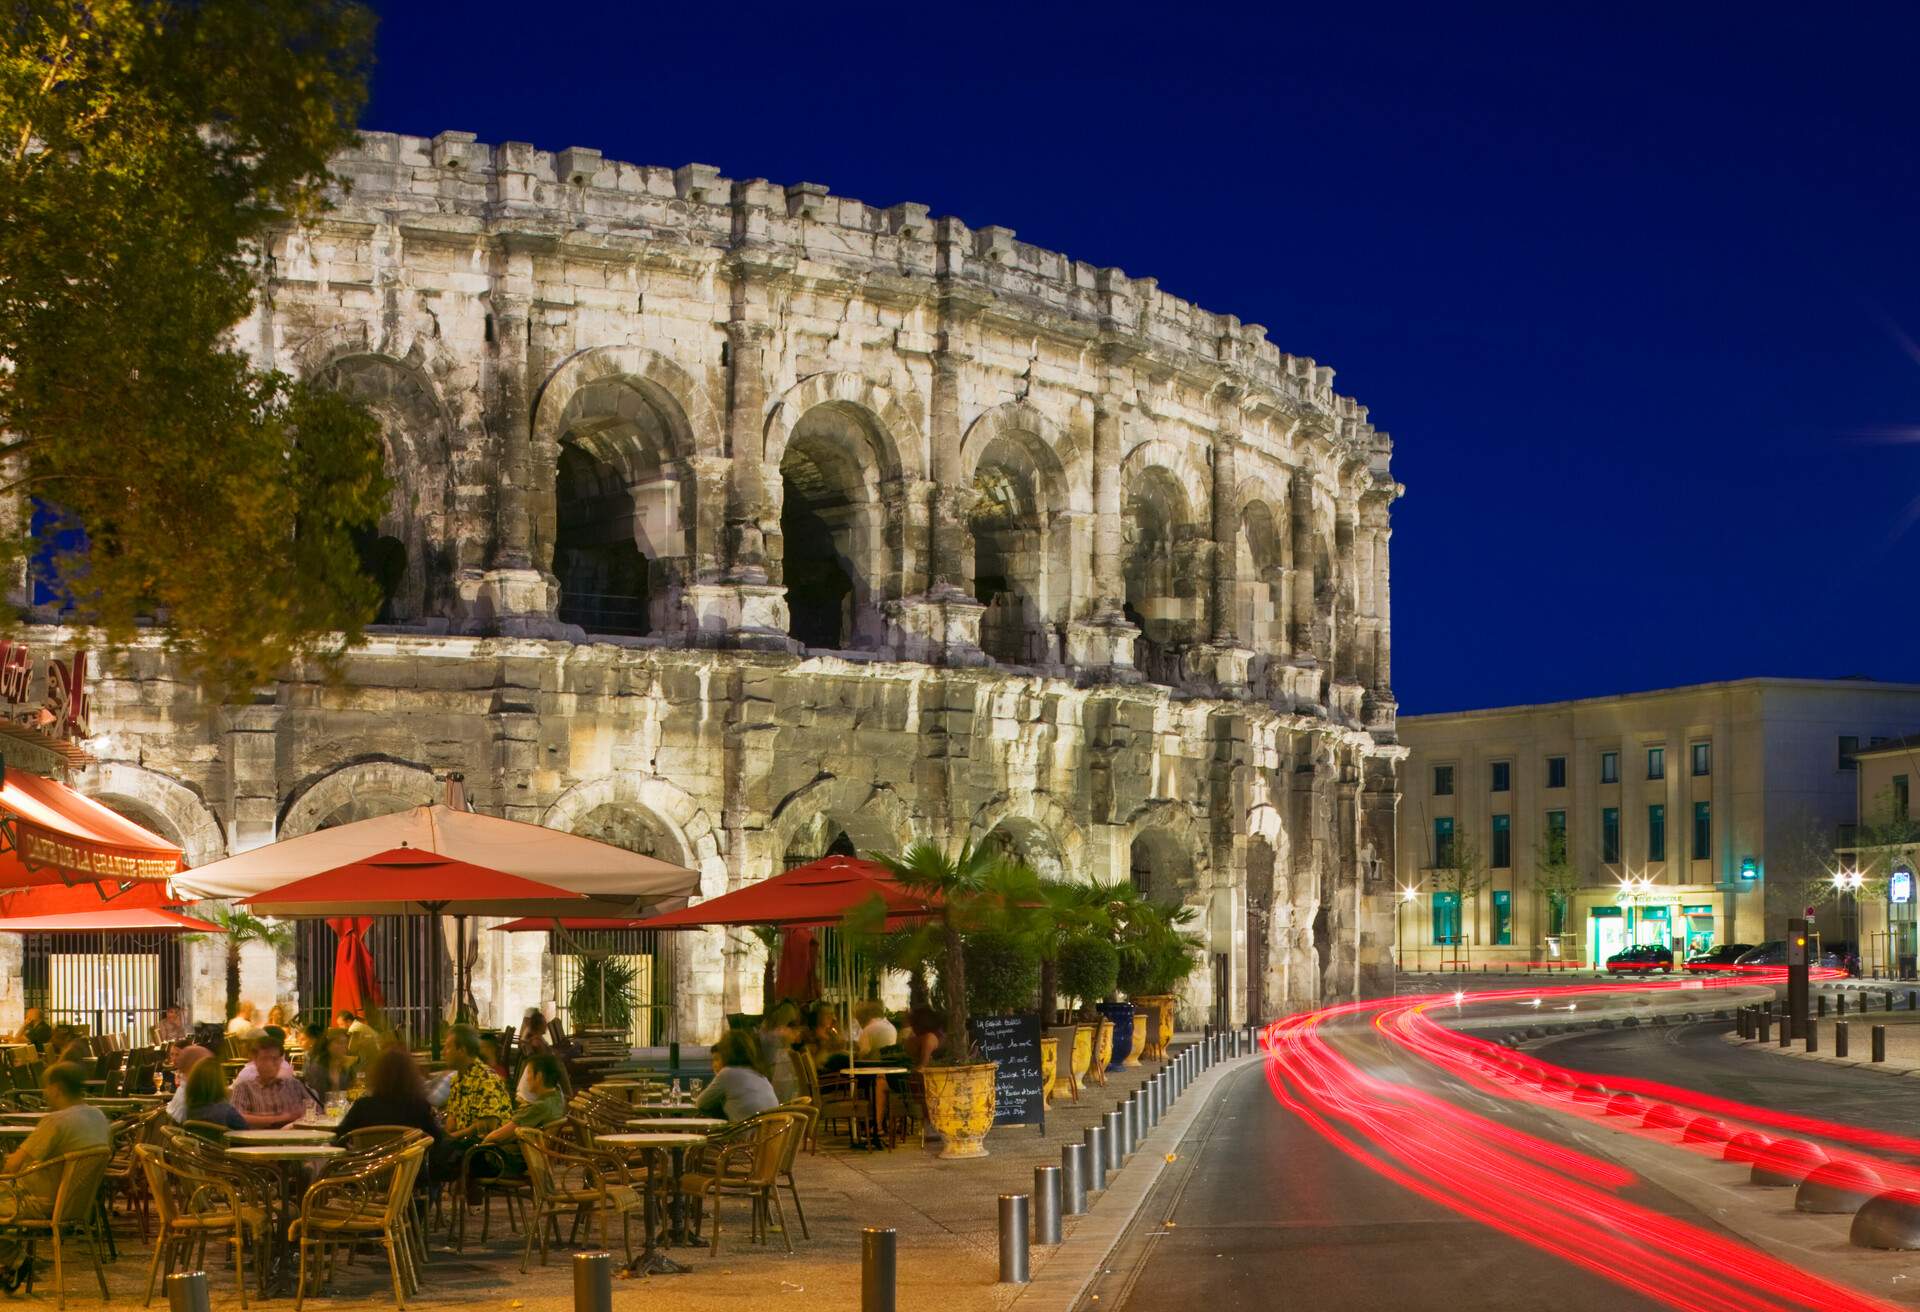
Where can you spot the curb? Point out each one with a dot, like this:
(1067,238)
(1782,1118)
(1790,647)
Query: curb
(1896,1068)
(1057,1285)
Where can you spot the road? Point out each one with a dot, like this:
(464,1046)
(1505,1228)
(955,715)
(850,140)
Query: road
(1263,1209)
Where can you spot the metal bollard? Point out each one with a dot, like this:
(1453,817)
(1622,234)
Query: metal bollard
(1013,1239)
(187,1292)
(1839,1038)
(1096,1145)
(1073,1178)
(1913,999)
(1136,1123)
(878,1265)
(1116,1139)
(593,1282)
(1766,1025)
(1813,1036)
(1879,1042)
(1820,1003)
(1786,1030)
(1046,1204)
(1840,1004)
(1889,998)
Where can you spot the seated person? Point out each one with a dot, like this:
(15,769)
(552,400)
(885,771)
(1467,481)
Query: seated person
(206,1090)
(266,1093)
(396,1095)
(169,1028)
(543,1108)
(737,1090)
(185,1058)
(477,1099)
(876,1031)
(924,1037)
(34,1029)
(70,1126)
(245,1024)
(330,1066)
(490,1055)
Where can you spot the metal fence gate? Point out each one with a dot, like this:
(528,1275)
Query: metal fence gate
(650,954)
(410,959)
(110,983)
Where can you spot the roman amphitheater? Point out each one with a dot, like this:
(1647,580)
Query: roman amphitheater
(740,522)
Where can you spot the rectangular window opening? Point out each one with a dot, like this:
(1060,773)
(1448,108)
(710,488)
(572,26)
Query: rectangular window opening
(1656,833)
(1502,778)
(1443,781)
(1556,772)
(1703,758)
(1610,835)
(1502,856)
(1609,767)
(1703,831)
(1656,763)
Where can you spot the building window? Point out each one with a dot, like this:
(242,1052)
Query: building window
(1556,772)
(1899,797)
(1502,858)
(1443,841)
(1443,781)
(1446,918)
(1703,758)
(1656,833)
(1610,835)
(1502,917)
(1656,763)
(1609,767)
(1502,777)
(1849,744)
(1557,825)
(1703,831)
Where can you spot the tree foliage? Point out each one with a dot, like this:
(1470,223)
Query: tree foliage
(241,927)
(144,145)
(1555,877)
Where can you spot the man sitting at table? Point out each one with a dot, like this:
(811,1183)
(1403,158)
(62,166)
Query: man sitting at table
(266,1092)
(477,1100)
(34,1029)
(169,1028)
(545,1105)
(70,1126)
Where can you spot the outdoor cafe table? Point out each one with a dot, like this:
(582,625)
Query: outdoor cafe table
(687,1108)
(316,1121)
(878,1094)
(282,1157)
(678,1124)
(653,1261)
(279,1136)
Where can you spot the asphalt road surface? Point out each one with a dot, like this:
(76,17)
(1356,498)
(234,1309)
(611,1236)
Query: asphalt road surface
(1262,1211)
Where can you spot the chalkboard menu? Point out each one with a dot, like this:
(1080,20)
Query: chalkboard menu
(1014,1043)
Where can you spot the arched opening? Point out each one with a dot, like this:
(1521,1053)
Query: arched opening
(1261,584)
(1159,867)
(620,509)
(1012,549)
(585,963)
(1165,583)
(831,534)
(824,836)
(398,551)
(1027,842)
(1259,920)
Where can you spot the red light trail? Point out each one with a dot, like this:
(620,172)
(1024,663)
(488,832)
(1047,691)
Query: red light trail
(1545,1194)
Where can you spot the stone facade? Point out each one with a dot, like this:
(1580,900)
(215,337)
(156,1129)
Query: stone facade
(739,521)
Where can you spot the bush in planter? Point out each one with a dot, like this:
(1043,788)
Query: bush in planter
(1089,967)
(1003,973)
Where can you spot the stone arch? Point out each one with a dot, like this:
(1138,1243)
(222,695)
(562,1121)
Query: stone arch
(845,453)
(872,817)
(1268,917)
(1261,577)
(357,791)
(1038,827)
(409,551)
(1169,831)
(1164,558)
(690,837)
(616,515)
(1022,525)
(163,804)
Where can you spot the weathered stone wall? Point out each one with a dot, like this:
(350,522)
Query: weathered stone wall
(731,519)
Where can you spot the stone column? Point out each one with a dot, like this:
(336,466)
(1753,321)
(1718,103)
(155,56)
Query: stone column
(517,593)
(1226,659)
(1103,641)
(1346,632)
(1301,517)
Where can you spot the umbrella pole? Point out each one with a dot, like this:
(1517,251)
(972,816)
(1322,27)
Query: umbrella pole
(433,986)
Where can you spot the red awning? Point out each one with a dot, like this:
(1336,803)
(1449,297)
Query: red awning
(57,836)
(58,909)
(819,893)
(406,881)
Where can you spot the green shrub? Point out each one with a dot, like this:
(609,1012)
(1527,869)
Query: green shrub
(1003,973)
(1089,968)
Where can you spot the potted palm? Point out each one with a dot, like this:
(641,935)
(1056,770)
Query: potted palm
(978,891)
(1159,956)
(242,927)
(1088,965)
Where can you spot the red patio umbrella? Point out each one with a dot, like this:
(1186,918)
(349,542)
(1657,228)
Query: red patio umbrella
(798,975)
(818,893)
(405,880)
(356,985)
(53,908)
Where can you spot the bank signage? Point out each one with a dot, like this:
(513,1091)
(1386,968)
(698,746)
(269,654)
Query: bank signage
(1900,887)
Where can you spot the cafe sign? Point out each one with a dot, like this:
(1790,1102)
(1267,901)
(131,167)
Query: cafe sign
(64,709)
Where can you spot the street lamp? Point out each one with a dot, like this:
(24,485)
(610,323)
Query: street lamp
(1407,892)
(1632,889)
(1848,883)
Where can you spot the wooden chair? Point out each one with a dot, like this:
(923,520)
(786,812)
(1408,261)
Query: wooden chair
(194,1207)
(565,1178)
(349,1209)
(748,1166)
(75,1212)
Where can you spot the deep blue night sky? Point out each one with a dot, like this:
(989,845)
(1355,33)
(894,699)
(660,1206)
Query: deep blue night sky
(1626,286)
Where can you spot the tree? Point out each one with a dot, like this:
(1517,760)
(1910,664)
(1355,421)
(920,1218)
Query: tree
(1075,912)
(1555,878)
(157,475)
(243,927)
(977,890)
(1460,869)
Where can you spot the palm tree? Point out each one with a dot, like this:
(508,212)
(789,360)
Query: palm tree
(976,888)
(1072,909)
(243,927)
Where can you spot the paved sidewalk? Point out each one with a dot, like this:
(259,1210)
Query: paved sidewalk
(945,1214)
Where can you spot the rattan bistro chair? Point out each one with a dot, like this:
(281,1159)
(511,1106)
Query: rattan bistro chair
(747,1166)
(367,1205)
(566,1179)
(192,1208)
(75,1212)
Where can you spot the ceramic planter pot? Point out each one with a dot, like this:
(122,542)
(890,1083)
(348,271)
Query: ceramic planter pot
(1102,1053)
(1139,1044)
(1119,1021)
(960,1105)
(1158,1008)
(1082,1056)
(1049,1068)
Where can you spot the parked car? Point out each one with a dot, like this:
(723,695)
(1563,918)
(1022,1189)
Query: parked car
(1840,955)
(1720,957)
(1771,953)
(1641,960)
